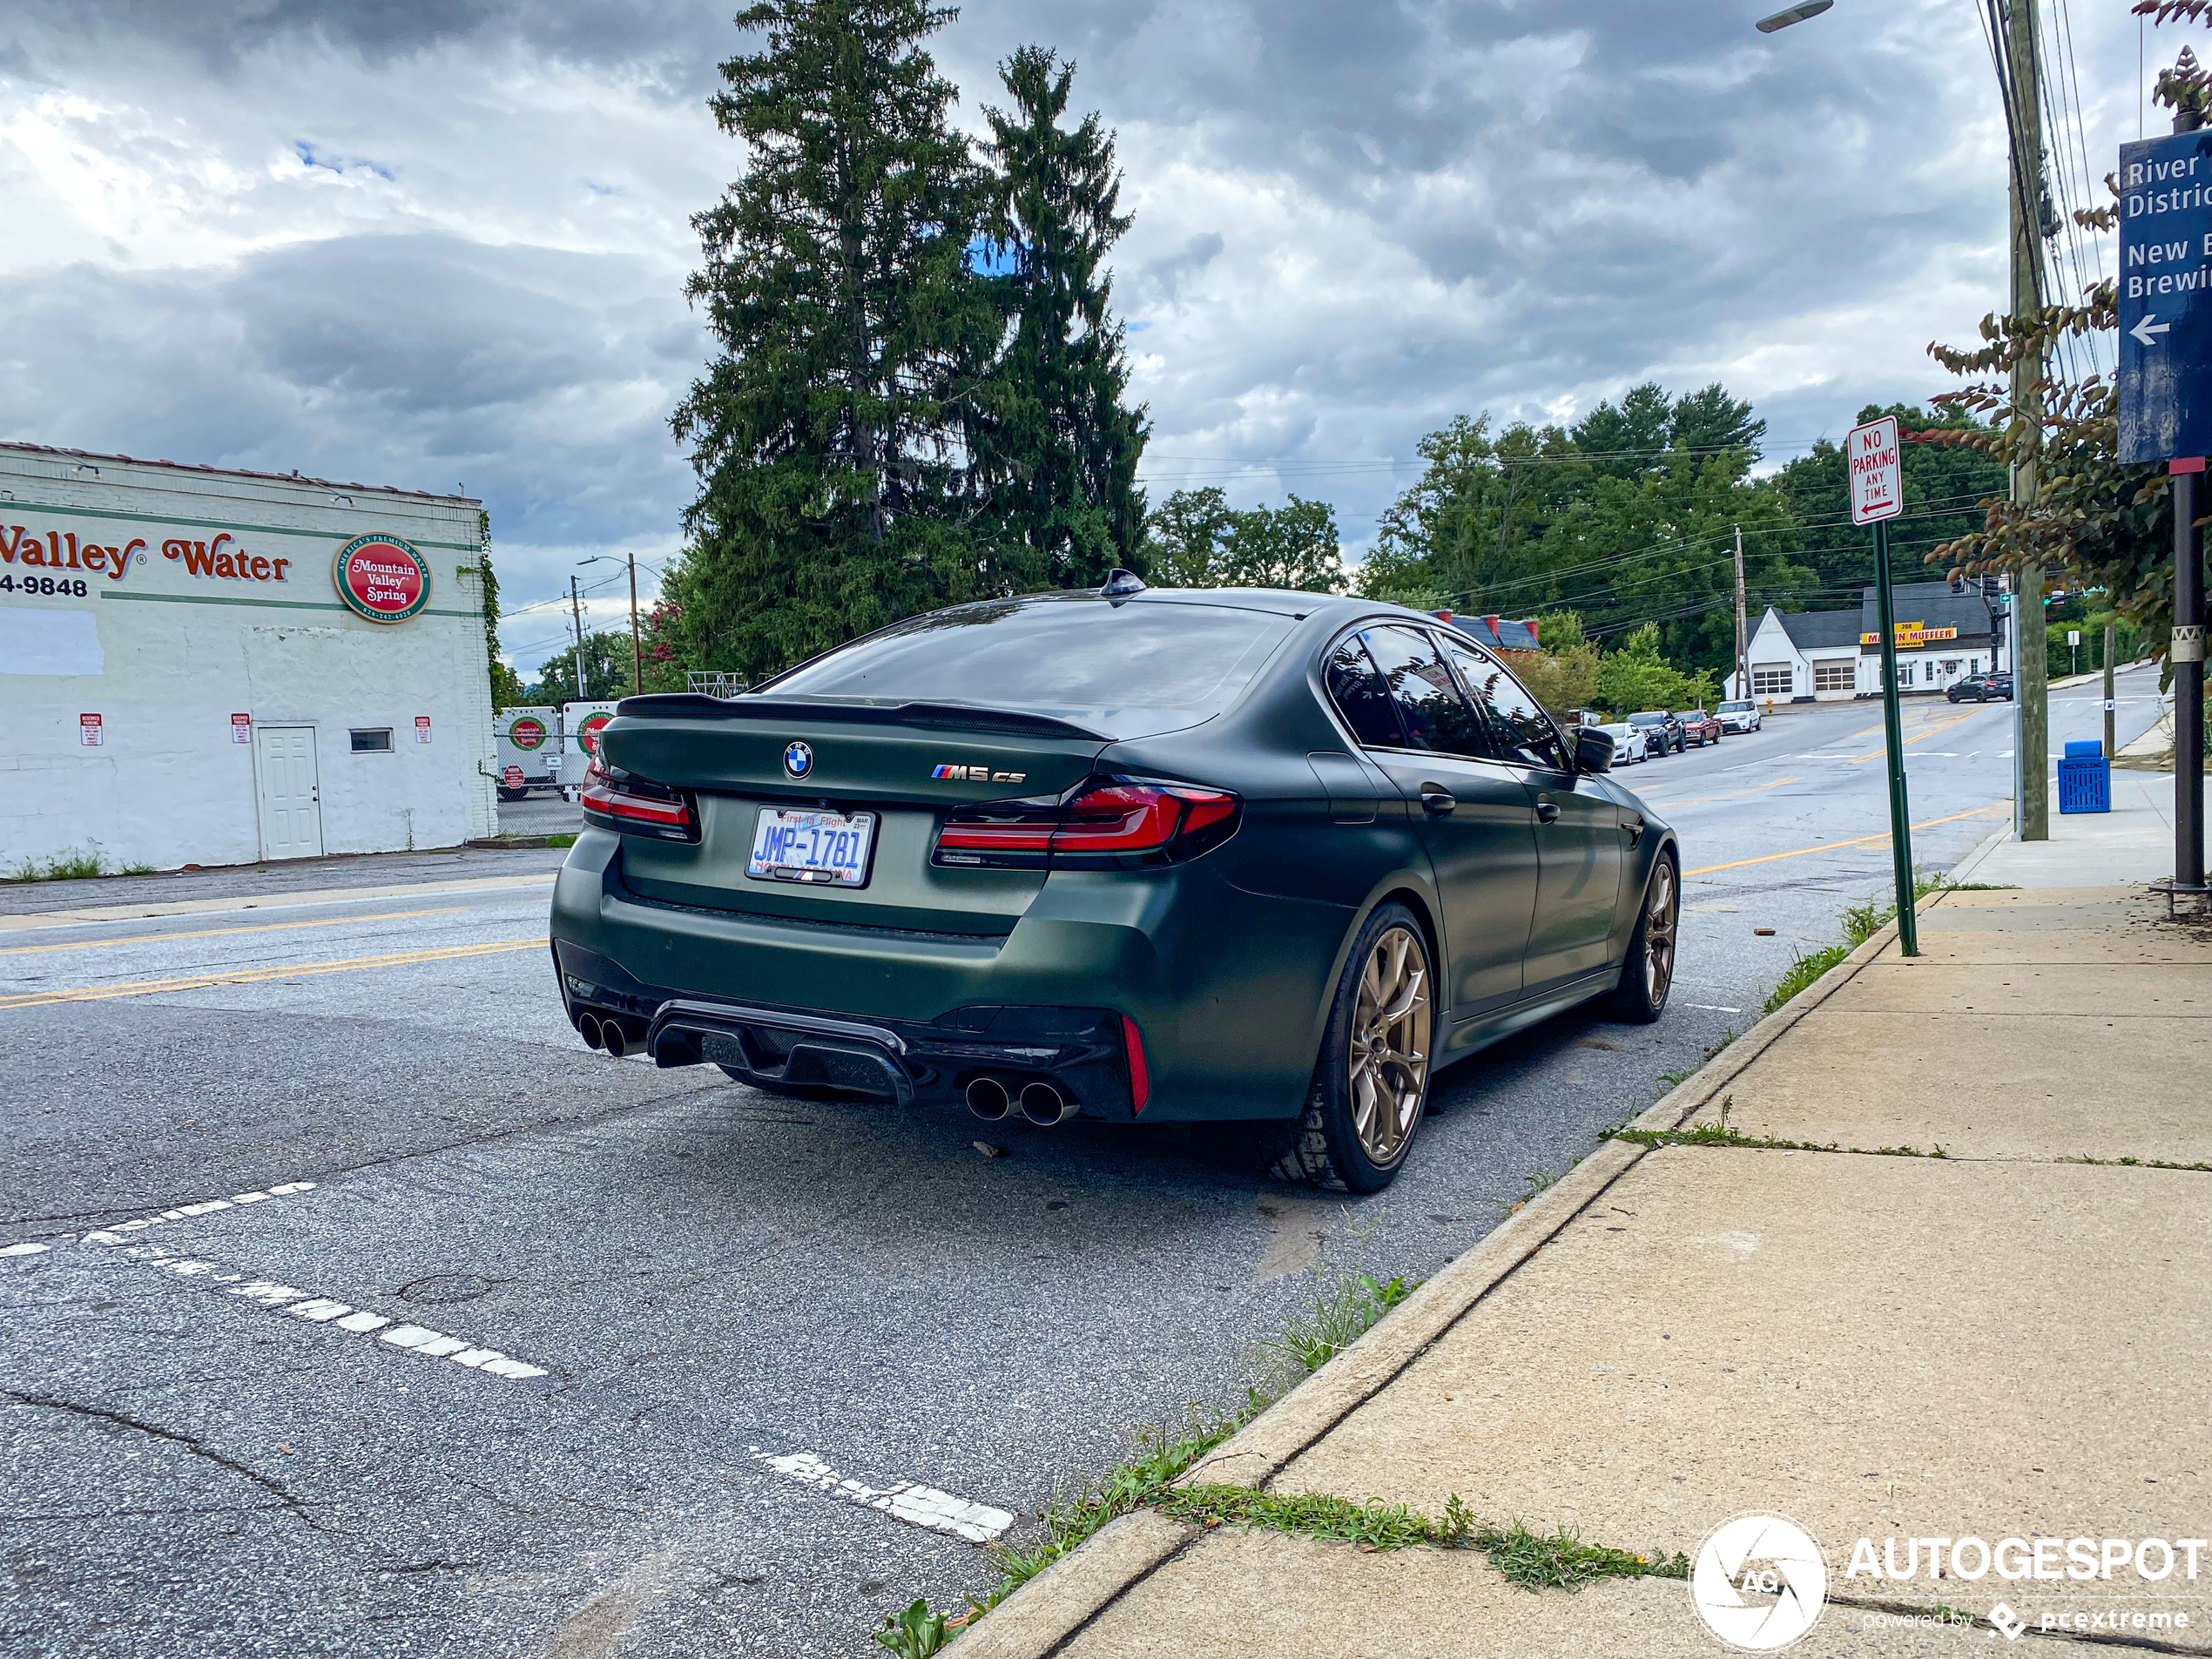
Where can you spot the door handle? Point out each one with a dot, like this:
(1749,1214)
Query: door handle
(1437,801)
(1546,810)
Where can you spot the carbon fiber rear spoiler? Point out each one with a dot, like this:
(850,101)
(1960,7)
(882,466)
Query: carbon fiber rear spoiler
(948,717)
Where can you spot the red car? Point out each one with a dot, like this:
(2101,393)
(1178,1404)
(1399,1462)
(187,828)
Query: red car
(1699,727)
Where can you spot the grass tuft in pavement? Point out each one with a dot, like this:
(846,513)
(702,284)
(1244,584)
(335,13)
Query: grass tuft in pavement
(72,863)
(1861,923)
(1534,1560)
(1340,1318)
(1721,1134)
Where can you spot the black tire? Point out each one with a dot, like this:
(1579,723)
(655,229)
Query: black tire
(1324,1146)
(1641,996)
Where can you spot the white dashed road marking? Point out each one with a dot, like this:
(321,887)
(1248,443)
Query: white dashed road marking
(287,1298)
(916,1505)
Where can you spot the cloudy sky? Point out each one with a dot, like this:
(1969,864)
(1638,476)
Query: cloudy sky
(440,245)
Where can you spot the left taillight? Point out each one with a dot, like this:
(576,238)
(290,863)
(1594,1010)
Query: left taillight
(1105,823)
(622,800)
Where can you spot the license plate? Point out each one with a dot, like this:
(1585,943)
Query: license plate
(823,849)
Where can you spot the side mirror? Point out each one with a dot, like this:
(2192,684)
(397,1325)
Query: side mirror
(1592,749)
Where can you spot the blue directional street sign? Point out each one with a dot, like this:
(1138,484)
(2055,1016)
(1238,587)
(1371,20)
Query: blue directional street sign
(2166,298)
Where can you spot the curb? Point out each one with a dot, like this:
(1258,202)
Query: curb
(1038,1620)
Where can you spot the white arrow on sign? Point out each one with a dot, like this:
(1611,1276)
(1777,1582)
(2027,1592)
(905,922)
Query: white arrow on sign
(2143,330)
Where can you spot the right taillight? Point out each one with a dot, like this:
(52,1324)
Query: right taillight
(1106,823)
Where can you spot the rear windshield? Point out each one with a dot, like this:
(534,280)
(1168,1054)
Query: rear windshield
(1125,670)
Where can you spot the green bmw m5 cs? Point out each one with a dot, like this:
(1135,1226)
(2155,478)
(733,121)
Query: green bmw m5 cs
(1133,853)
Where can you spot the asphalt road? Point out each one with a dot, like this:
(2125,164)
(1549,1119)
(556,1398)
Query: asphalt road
(682,1279)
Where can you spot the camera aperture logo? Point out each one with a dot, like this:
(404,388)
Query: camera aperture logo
(1759,1582)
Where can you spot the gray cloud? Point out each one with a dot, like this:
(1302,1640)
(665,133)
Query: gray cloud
(1352,221)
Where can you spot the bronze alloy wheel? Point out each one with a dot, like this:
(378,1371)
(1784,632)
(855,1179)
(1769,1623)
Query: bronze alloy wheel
(1660,915)
(1388,1053)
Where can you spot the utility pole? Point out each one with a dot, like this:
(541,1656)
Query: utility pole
(2111,716)
(1742,672)
(637,652)
(2031,676)
(576,608)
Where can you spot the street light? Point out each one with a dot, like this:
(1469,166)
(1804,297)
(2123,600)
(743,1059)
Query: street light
(1795,14)
(637,653)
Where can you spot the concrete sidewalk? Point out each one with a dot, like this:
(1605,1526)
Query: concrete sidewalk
(2002,1329)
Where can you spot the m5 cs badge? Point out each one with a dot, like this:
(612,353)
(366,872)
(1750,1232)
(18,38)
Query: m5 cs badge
(977,774)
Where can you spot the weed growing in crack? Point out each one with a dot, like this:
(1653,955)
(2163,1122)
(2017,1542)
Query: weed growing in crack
(1721,1135)
(1534,1560)
(915,1633)
(1340,1318)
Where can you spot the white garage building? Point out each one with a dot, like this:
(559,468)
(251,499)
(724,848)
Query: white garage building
(1830,656)
(209,667)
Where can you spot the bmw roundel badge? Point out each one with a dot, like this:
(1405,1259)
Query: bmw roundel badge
(798,759)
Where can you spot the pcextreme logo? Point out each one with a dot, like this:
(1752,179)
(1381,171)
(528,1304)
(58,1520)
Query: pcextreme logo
(1759,1582)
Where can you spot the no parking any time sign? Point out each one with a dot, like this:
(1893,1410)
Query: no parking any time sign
(1876,471)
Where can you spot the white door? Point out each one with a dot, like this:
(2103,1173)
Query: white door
(291,799)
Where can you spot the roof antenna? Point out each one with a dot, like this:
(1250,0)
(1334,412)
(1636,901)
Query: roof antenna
(1122,584)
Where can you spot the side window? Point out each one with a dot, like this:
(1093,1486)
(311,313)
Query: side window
(1526,731)
(1436,716)
(1362,695)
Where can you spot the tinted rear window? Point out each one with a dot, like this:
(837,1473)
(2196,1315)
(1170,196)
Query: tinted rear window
(1126,669)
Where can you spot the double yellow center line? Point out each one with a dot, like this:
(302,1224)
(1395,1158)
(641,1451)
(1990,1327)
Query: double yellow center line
(257,975)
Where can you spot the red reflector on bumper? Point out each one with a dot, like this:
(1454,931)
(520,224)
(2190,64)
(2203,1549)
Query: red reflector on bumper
(1140,1080)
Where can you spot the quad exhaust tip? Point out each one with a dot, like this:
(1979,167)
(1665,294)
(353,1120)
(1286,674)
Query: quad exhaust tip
(987,1099)
(1044,1105)
(587,1026)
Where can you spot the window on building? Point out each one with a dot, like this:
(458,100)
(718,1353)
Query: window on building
(1834,676)
(1770,679)
(1905,673)
(373,740)
(1951,665)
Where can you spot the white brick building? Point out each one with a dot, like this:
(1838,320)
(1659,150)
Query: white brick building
(214,667)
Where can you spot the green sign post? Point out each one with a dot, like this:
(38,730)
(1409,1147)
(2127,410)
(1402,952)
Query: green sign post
(1877,495)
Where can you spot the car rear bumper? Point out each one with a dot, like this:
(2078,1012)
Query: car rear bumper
(1226,1001)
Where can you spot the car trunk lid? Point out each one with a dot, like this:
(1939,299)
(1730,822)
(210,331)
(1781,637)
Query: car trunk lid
(908,764)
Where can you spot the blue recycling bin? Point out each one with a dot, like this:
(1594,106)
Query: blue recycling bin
(2085,777)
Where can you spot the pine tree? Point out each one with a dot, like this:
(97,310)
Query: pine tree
(835,278)
(1055,447)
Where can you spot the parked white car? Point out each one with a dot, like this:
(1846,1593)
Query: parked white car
(1630,742)
(1742,716)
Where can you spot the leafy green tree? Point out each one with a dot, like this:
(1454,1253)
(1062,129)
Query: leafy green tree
(1054,441)
(1943,483)
(835,278)
(1636,677)
(1186,538)
(1629,517)
(1196,540)
(606,671)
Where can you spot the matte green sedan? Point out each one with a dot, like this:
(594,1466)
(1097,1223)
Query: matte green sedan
(1132,853)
